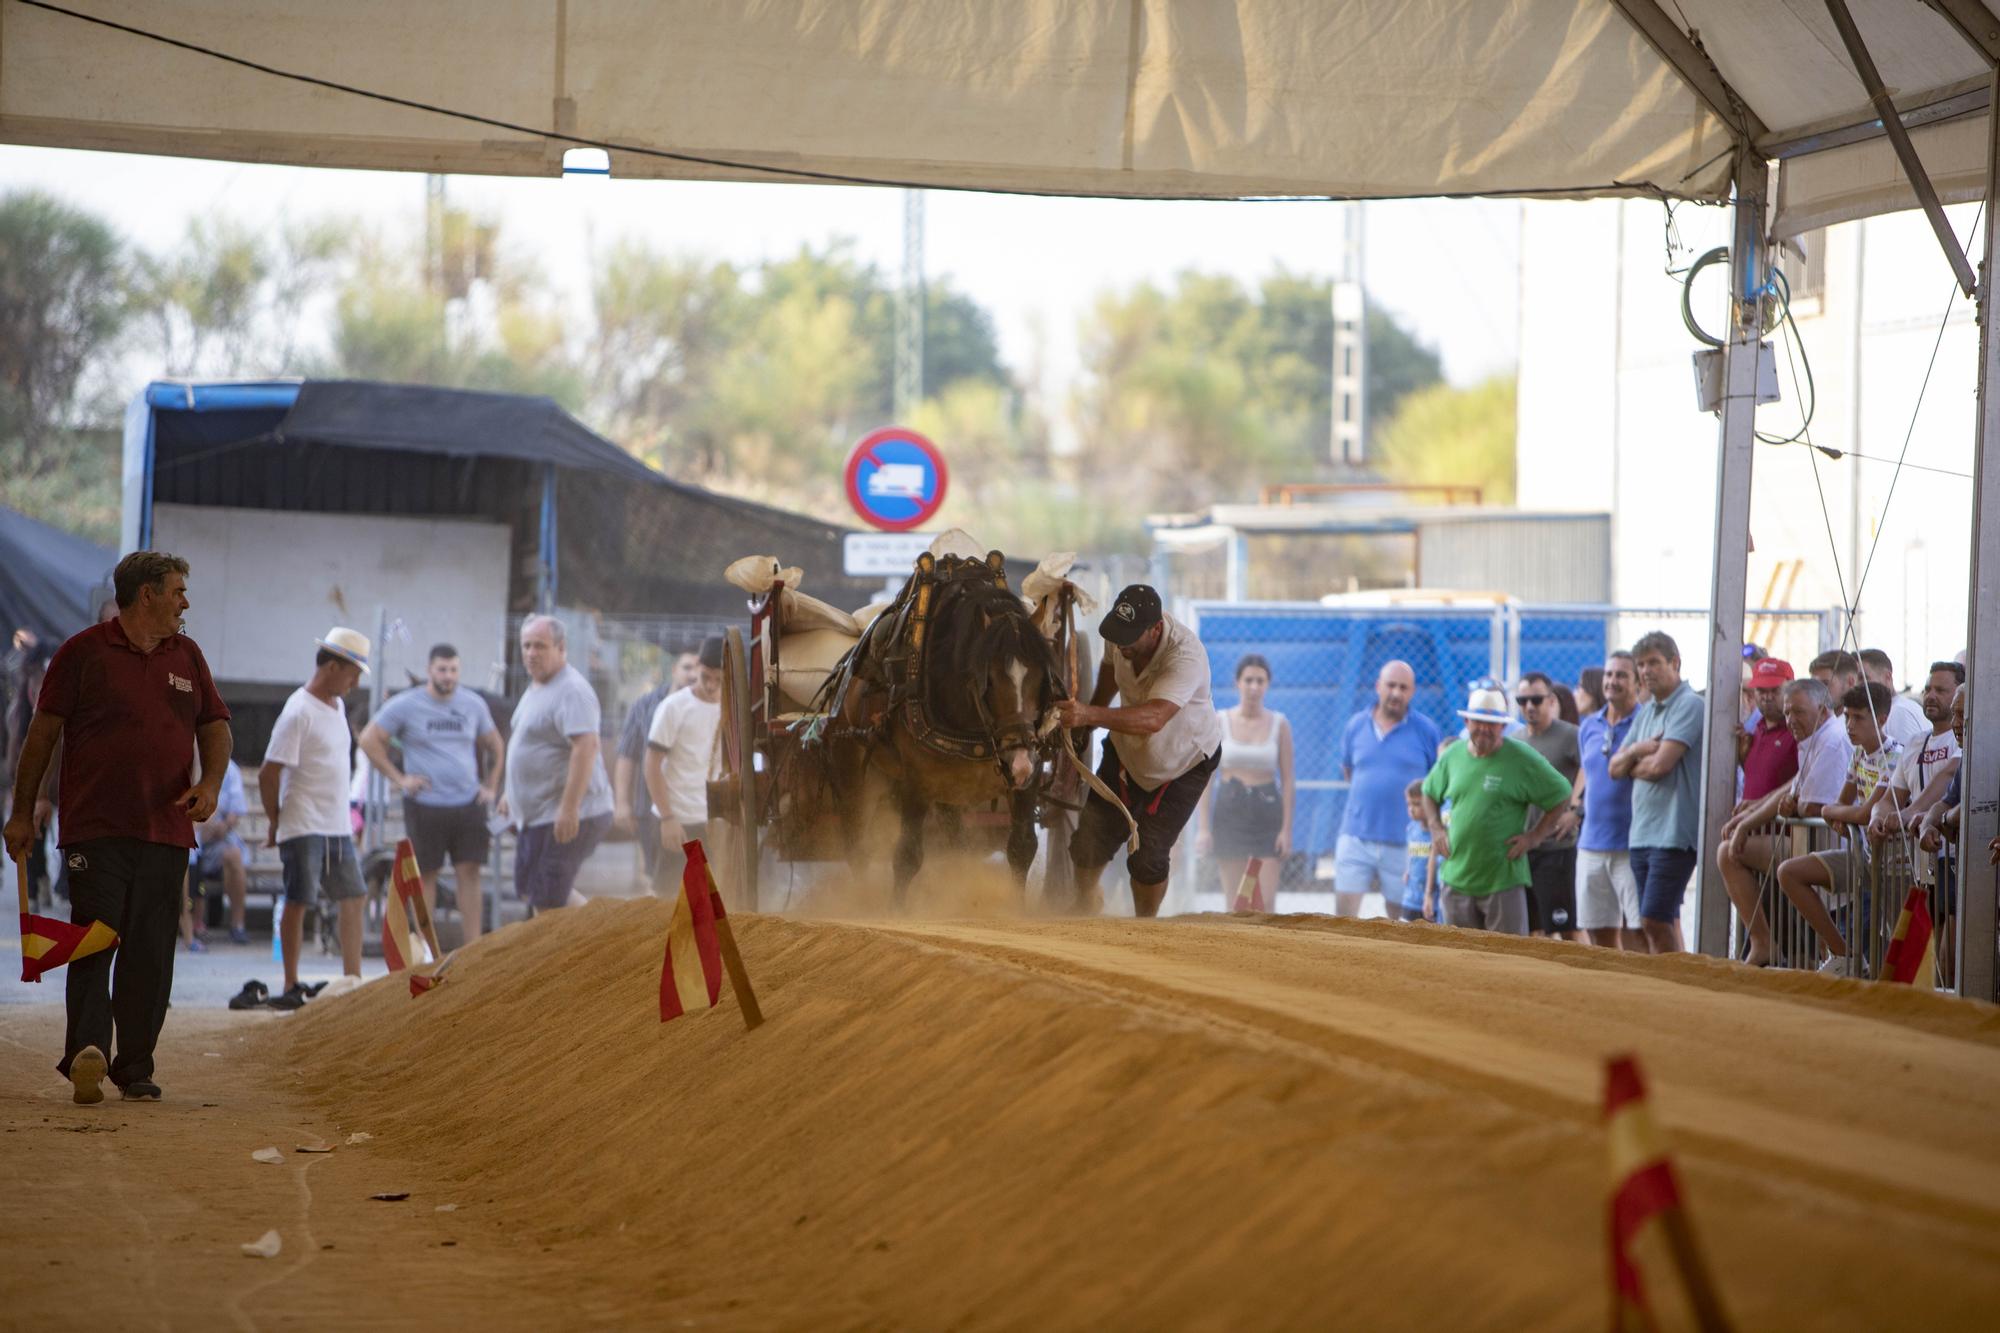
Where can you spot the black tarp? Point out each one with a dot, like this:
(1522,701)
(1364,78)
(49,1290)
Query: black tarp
(47,577)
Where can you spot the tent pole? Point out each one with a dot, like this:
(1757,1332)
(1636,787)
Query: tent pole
(1979,780)
(545,568)
(1728,590)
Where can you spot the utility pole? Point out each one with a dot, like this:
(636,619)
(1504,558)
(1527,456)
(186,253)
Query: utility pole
(909,365)
(1349,444)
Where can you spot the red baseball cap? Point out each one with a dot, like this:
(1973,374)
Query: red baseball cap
(1769,673)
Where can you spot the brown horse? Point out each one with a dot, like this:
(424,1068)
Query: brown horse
(963,731)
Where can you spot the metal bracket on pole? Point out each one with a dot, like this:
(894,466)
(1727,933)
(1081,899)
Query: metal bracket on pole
(1728,590)
(1979,777)
(1975,22)
(1899,138)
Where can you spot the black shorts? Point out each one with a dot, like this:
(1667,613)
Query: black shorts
(1552,888)
(1247,819)
(441,833)
(1162,814)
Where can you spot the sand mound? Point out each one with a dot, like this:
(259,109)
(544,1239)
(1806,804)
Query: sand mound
(1198,1123)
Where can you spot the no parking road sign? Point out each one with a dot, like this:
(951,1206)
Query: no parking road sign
(895,478)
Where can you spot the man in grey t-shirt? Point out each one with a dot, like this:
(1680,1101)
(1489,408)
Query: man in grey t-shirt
(1662,754)
(557,793)
(1551,865)
(452,759)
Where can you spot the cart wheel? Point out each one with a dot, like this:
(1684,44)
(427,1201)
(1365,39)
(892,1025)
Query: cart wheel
(733,820)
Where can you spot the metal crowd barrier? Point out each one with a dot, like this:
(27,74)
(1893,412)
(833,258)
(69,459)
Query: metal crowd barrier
(1865,906)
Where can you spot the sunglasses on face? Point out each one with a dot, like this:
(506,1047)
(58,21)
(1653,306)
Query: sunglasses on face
(1531,700)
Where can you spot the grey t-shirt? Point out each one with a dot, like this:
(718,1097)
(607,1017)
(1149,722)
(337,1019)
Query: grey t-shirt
(1667,813)
(538,751)
(1558,746)
(440,740)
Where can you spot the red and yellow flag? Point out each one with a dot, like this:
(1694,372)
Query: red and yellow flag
(1644,1190)
(46,943)
(1911,957)
(1248,890)
(406,889)
(691,974)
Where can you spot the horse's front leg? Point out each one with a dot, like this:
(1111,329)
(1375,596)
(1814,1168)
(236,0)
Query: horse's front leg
(1021,844)
(915,810)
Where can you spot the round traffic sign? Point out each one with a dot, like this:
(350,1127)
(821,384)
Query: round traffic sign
(895,478)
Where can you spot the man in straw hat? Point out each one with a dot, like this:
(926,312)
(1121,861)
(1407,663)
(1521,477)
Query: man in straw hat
(132,703)
(1491,781)
(308,768)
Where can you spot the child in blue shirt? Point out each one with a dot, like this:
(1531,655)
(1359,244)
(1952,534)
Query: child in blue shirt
(1420,874)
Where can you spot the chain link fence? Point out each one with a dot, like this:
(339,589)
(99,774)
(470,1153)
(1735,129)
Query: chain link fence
(1324,659)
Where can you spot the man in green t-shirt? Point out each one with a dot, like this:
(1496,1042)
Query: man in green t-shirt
(1491,782)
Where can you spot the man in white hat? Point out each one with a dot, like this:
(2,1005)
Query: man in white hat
(1491,781)
(304,781)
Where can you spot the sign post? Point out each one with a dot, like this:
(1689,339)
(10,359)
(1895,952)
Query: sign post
(895,479)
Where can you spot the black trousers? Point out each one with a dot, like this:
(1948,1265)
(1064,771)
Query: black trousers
(135,888)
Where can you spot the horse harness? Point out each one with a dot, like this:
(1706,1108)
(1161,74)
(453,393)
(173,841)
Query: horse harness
(894,653)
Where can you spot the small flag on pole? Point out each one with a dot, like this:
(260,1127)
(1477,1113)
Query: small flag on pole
(1248,890)
(400,947)
(46,943)
(1911,957)
(1644,1188)
(691,975)
(701,947)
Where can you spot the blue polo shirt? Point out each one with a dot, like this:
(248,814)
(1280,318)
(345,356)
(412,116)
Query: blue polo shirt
(1607,801)
(1379,769)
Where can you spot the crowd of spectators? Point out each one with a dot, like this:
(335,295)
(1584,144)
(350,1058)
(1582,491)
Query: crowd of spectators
(1576,813)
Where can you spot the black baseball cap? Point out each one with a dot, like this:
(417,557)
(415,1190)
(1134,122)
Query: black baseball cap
(1136,611)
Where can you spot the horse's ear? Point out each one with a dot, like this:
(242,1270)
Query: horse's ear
(996,561)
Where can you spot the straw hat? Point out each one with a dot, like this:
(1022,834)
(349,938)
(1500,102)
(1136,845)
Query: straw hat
(1486,706)
(351,644)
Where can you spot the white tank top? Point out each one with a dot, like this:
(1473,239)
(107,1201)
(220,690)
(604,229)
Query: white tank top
(1251,756)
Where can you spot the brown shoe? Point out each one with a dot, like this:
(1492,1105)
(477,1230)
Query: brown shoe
(86,1072)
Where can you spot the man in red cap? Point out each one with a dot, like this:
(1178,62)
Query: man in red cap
(1768,752)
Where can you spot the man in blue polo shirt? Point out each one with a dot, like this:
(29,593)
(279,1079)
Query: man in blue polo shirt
(1384,750)
(1663,753)
(1607,896)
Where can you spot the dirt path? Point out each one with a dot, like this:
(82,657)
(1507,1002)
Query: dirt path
(1010,1123)
(132,1215)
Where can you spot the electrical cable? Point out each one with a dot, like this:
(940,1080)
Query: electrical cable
(1882,519)
(1636,188)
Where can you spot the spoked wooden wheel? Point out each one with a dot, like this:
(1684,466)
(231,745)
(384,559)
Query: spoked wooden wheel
(732,788)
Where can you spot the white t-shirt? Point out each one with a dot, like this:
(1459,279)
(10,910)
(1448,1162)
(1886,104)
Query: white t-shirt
(1824,757)
(1178,673)
(1922,762)
(312,741)
(684,726)
(1907,725)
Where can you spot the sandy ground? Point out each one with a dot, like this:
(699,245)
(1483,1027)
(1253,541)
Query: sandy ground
(1013,1122)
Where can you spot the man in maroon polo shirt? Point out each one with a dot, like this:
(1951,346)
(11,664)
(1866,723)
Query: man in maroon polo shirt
(132,703)
(1769,753)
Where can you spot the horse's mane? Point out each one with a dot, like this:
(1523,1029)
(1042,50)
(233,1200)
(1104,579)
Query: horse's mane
(963,653)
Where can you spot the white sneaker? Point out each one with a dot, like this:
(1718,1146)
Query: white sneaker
(1837,964)
(86,1073)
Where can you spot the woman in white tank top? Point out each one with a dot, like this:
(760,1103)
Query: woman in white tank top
(1247,811)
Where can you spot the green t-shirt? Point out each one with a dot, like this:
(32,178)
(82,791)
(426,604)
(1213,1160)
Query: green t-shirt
(1489,801)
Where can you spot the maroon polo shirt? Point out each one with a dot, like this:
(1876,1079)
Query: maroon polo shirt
(1772,760)
(128,733)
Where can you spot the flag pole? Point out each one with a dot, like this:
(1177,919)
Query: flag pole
(732,960)
(21,878)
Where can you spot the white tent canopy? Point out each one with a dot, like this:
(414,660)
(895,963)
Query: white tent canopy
(1147,98)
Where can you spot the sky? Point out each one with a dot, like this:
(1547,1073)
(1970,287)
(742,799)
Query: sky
(1448,269)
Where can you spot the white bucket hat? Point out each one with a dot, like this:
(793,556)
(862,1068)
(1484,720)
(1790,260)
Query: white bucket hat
(351,644)
(1486,706)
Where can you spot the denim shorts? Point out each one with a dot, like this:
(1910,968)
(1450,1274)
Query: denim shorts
(1662,874)
(1361,866)
(317,866)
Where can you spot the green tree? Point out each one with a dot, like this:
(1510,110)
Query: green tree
(229,299)
(63,305)
(1461,437)
(1398,365)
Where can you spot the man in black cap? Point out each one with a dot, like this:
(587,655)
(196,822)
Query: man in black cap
(1164,745)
